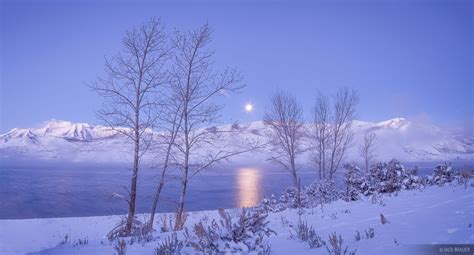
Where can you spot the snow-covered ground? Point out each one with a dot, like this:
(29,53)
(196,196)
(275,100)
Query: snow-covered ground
(434,215)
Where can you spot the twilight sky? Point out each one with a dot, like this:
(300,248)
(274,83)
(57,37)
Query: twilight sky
(409,59)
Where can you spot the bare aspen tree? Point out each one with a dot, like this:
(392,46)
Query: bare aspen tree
(345,102)
(284,117)
(321,132)
(130,91)
(332,130)
(170,118)
(197,85)
(367,149)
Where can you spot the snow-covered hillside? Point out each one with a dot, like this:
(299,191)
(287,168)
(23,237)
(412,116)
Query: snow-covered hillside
(80,142)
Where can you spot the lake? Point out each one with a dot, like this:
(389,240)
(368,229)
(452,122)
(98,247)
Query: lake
(53,192)
(43,192)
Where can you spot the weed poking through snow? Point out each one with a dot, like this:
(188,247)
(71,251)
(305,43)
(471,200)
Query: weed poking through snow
(121,247)
(369,233)
(383,219)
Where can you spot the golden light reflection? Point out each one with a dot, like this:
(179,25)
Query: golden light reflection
(249,182)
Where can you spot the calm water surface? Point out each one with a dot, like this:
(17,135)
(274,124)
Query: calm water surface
(53,192)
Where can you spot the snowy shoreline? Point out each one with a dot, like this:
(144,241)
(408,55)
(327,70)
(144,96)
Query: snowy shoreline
(434,215)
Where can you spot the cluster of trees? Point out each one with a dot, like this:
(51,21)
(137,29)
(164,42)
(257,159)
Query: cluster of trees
(328,135)
(165,82)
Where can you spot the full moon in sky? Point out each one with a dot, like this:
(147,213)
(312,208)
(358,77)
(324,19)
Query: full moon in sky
(248,107)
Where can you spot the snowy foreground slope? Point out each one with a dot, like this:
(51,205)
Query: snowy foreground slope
(435,215)
(408,141)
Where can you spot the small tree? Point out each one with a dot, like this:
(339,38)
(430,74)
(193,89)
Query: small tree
(367,150)
(345,102)
(195,86)
(321,133)
(130,91)
(170,119)
(332,130)
(284,117)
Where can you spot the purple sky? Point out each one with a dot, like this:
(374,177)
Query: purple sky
(409,59)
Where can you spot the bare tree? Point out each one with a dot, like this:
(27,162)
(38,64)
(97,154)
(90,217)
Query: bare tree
(196,85)
(345,102)
(321,132)
(284,117)
(130,91)
(170,119)
(367,149)
(332,130)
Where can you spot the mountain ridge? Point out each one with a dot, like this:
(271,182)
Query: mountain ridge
(82,142)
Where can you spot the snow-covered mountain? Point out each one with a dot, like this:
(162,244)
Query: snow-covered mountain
(80,142)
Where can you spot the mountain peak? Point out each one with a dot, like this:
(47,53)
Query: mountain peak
(393,123)
(63,124)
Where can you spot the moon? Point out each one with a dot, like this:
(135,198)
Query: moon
(248,107)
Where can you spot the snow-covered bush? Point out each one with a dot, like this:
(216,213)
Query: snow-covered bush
(377,199)
(270,205)
(320,192)
(356,184)
(243,234)
(289,198)
(382,178)
(465,176)
(317,193)
(442,174)
(390,177)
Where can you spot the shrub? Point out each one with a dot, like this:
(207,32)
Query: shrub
(378,199)
(356,184)
(307,234)
(121,247)
(241,234)
(170,246)
(357,236)
(165,224)
(320,192)
(290,198)
(81,241)
(336,245)
(392,176)
(270,205)
(207,238)
(64,241)
(464,177)
(180,220)
(370,233)
(442,174)
(119,229)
